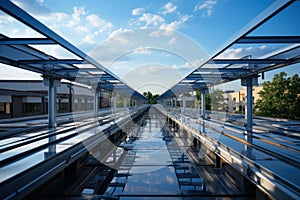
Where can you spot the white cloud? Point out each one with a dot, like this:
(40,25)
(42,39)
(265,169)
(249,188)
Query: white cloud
(151,19)
(169,8)
(142,50)
(172,40)
(231,53)
(168,29)
(14,73)
(120,36)
(188,65)
(15,31)
(76,16)
(77,12)
(257,51)
(137,11)
(206,6)
(53,17)
(95,21)
(82,29)
(89,38)
(35,7)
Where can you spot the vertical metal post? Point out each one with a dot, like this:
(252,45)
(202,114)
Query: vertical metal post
(70,98)
(249,82)
(174,101)
(52,104)
(114,102)
(124,99)
(96,103)
(249,106)
(184,103)
(203,103)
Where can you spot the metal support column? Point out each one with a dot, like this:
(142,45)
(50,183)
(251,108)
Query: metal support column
(184,103)
(249,106)
(203,103)
(96,103)
(114,102)
(249,82)
(52,110)
(124,99)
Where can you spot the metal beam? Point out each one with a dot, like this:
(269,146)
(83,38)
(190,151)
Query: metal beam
(260,19)
(52,62)
(247,61)
(89,77)
(25,41)
(205,76)
(268,39)
(22,16)
(51,37)
(267,14)
(223,70)
(75,70)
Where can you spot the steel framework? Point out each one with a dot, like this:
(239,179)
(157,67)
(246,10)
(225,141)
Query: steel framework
(17,52)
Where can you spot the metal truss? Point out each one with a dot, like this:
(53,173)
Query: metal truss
(17,52)
(216,70)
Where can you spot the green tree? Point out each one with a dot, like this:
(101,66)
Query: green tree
(152,98)
(280,97)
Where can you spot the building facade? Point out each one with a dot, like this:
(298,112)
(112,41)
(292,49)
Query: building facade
(236,101)
(19,98)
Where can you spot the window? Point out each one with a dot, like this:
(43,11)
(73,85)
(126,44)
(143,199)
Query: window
(240,108)
(2,108)
(234,108)
(31,107)
(64,107)
(234,99)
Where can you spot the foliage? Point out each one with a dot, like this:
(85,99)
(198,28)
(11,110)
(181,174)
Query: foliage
(152,98)
(280,97)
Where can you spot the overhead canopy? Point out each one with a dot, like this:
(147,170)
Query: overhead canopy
(17,52)
(218,69)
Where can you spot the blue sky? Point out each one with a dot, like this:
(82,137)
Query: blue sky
(94,26)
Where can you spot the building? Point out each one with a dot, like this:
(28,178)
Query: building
(236,100)
(19,98)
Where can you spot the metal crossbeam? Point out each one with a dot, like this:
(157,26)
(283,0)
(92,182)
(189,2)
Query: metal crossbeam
(241,36)
(260,19)
(269,39)
(206,76)
(75,70)
(22,16)
(25,41)
(223,70)
(247,61)
(186,86)
(54,62)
